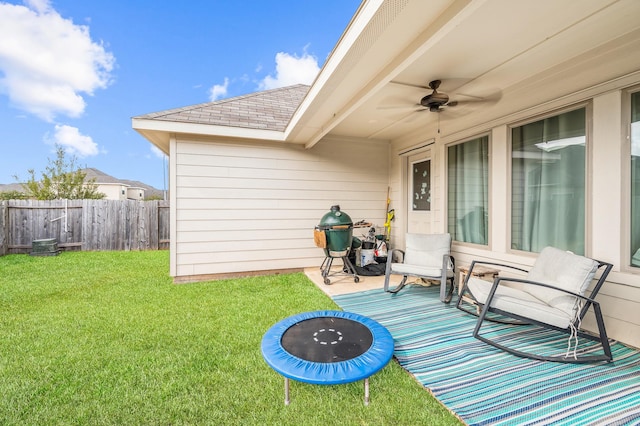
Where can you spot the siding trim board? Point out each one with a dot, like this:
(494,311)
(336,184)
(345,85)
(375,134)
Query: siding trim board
(232,275)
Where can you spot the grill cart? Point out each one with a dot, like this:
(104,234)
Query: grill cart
(334,234)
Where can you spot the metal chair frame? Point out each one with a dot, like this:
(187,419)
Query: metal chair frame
(445,296)
(589,302)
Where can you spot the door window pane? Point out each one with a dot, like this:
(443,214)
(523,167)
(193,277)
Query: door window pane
(468,191)
(422,186)
(635,179)
(548,183)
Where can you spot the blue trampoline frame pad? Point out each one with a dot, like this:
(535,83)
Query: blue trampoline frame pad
(359,368)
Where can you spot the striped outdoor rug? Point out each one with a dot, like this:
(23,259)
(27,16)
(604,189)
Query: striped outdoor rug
(486,386)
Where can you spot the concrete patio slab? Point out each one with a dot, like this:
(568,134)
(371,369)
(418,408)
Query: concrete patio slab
(343,284)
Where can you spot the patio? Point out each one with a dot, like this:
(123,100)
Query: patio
(343,284)
(483,385)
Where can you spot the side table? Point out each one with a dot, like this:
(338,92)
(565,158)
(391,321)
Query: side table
(482,272)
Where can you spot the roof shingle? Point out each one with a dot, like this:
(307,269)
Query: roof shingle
(267,110)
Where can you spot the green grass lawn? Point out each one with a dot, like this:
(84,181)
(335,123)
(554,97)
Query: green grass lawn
(106,338)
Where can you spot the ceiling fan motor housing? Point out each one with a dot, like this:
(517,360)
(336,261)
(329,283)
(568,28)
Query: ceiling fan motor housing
(434,100)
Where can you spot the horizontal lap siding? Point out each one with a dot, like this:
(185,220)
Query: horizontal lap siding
(245,207)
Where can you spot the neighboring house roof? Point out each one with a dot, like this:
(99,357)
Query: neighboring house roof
(100,177)
(268,110)
(11,187)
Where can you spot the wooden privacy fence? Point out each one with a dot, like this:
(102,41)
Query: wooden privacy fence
(84,224)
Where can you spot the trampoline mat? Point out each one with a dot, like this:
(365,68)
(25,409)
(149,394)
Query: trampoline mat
(327,339)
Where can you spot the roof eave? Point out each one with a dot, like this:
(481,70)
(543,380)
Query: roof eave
(159,132)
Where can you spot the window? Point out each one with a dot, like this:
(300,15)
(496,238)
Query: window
(548,170)
(468,191)
(421,186)
(635,179)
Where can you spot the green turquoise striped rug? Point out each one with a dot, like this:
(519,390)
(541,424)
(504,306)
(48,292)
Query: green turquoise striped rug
(486,386)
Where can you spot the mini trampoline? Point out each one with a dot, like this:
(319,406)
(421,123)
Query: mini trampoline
(327,348)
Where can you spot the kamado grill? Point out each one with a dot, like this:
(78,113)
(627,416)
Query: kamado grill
(334,234)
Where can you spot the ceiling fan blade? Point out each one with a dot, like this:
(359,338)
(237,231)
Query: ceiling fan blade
(491,98)
(413,116)
(398,106)
(419,86)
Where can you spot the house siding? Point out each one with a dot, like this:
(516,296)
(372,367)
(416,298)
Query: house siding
(252,206)
(605,228)
(112,191)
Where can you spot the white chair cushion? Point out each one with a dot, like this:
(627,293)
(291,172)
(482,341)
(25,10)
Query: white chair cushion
(564,270)
(427,250)
(420,271)
(519,302)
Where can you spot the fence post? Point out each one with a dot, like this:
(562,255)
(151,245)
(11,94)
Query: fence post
(4,227)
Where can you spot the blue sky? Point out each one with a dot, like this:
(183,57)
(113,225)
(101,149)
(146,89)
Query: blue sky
(74,72)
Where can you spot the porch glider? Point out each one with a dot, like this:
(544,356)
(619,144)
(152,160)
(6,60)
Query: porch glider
(426,256)
(551,296)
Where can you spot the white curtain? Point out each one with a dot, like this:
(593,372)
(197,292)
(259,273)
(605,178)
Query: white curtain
(548,183)
(468,191)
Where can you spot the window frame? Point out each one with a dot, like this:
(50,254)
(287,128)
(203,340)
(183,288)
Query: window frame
(588,106)
(625,263)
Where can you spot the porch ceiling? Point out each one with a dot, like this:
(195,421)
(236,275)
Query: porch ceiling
(501,56)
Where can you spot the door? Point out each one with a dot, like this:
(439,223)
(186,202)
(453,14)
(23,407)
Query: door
(419,184)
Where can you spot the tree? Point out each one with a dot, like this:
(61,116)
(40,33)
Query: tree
(12,195)
(62,179)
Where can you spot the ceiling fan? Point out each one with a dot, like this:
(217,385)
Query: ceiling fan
(436,100)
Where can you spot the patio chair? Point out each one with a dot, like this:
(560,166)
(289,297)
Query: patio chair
(426,256)
(551,296)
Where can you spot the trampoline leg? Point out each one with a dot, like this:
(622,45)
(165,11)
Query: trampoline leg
(286,391)
(366,391)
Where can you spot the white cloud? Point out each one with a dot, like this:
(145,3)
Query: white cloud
(157,152)
(218,91)
(47,63)
(73,141)
(290,70)
(39,5)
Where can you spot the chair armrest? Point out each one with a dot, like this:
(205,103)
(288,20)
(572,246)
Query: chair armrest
(603,276)
(390,255)
(502,265)
(581,311)
(499,281)
(481,263)
(387,269)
